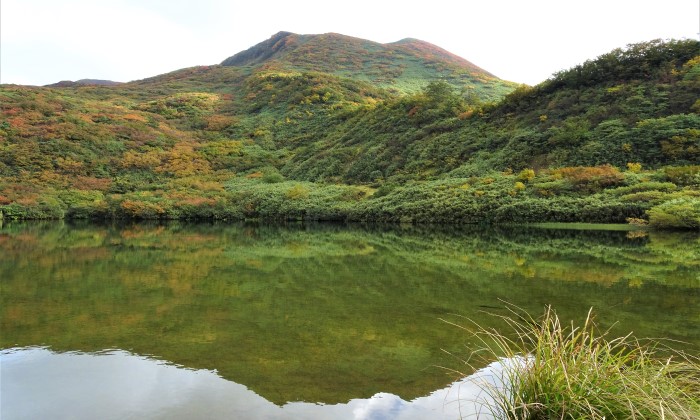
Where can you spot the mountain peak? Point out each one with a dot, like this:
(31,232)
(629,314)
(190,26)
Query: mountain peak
(261,52)
(281,34)
(84,82)
(405,41)
(405,66)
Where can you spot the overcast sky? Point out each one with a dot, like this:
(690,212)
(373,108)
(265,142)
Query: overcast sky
(45,41)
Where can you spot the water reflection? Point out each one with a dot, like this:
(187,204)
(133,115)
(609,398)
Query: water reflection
(328,313)
(38,383)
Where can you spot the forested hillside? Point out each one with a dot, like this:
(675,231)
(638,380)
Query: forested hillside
(336,128)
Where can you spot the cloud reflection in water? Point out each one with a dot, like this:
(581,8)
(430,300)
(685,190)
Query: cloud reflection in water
(115,384)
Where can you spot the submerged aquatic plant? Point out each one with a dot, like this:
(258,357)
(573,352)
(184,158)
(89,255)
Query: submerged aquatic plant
(559,371)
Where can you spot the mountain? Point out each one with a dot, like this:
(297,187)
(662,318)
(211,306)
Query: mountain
(404,66)
(638,104)
(84,82)
(331,127)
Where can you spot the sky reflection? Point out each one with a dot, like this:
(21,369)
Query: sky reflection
(115,384)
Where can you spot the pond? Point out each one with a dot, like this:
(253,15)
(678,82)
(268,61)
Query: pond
(184,320)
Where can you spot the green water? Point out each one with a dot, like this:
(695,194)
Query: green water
(328,313)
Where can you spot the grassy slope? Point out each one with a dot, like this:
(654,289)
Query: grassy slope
(403,67)
(235,141)
(648,117)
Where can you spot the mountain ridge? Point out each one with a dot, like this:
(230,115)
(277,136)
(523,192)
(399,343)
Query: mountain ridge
(84,82)
(259,52)
(277,42)
(403,66)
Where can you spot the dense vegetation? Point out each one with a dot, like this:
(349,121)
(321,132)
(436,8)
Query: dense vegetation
(277,133)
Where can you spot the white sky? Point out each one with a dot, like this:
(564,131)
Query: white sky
(45,41)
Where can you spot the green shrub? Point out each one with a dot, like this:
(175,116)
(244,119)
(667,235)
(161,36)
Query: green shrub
(680,213)
(554,187)
(653,196)
(45,208)
(526,175)
(683,175)
(297,192)
(643,186)
(634,167)
(272,177)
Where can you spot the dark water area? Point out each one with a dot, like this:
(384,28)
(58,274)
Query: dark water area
(325,318)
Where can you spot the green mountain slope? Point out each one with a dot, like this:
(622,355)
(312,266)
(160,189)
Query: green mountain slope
(276,132)
(602,112)
(84,82)
(404,66)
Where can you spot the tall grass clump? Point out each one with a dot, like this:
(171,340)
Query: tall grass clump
(563,371)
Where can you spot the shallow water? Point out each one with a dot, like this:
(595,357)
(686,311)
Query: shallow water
(268,320)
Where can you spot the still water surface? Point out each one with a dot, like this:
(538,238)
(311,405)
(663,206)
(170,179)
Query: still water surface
(321,321)
(40,384)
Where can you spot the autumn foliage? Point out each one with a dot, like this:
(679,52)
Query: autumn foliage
(341,129)
(591,178)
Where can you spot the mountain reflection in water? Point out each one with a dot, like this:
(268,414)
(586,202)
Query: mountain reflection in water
(328,314)
(114,384)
